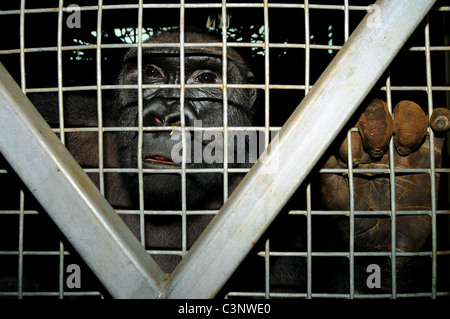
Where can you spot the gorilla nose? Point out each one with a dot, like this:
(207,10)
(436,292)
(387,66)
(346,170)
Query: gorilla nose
(166,112)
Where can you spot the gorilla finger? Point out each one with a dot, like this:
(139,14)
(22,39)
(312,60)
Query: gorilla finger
(410,127)
(356,148)
(439,120)
(376,127)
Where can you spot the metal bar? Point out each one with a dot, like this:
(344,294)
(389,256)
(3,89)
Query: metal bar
(335,296)
(266,76)
(393,199)
(351,191)
(267,269)
(60,72)
(235,86)
(266,127)
(308,188)
(183,130)
(351,235)
(245,170)
(432,163)
(61,271)
(62,135)
(225,99)
(140,124)
(205,6)
(22,194)
(195,45)
(21,250)
(347,254)
(308,242)
(101,166)
(320,116)
(71,199)
(346,20)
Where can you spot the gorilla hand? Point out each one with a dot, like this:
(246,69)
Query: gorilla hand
(372,189)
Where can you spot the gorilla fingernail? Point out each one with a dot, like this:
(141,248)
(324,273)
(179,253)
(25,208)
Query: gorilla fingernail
(376,127)
(439,120)
(410,127)
(356,148)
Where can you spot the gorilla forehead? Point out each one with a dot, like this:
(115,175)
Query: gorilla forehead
(171,40)
(193,61)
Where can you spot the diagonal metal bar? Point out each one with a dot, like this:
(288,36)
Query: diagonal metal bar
(75,204)
(302,141)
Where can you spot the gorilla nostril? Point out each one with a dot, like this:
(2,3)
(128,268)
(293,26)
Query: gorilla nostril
(166,112)
(172,119)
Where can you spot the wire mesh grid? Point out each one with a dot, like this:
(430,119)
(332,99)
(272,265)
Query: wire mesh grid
(310,49)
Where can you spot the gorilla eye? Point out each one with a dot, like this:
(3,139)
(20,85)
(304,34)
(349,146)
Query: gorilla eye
(207,78)
(152,71)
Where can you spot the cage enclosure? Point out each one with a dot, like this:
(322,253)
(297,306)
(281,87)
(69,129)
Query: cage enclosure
(169,107)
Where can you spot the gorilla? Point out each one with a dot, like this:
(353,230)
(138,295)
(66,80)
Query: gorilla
(157,108)
(161,107)
(203,106)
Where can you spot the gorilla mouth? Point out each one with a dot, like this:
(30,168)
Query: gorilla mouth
(159,159)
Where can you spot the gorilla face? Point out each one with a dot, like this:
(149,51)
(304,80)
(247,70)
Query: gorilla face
(161,107)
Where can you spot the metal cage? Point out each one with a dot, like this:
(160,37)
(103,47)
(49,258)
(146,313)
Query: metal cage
(328,55)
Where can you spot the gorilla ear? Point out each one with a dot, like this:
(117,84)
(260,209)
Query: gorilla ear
(253,92)
(253,96)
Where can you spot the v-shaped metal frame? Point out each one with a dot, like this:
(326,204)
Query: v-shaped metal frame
(105,242)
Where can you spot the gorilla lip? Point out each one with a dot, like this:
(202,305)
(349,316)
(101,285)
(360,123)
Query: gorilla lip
(159,159)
